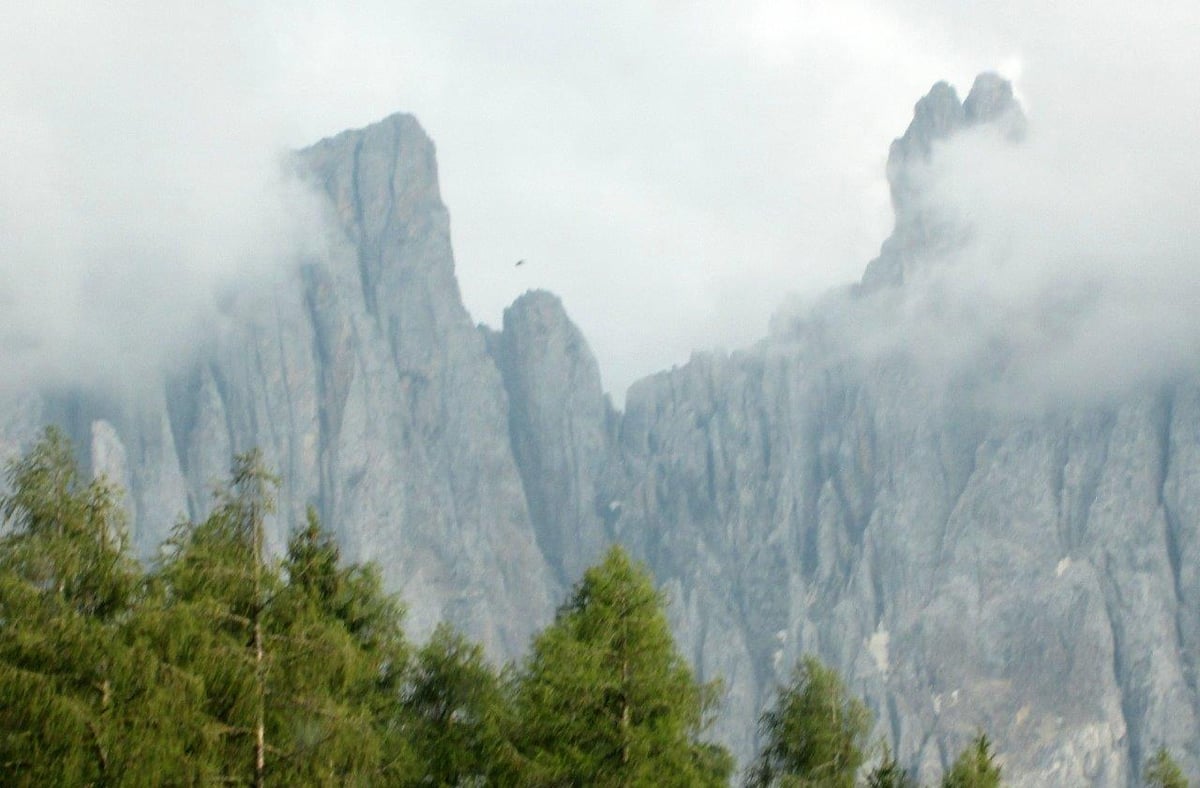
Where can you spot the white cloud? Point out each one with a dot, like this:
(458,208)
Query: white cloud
(140,171)
(1080,274)
(671,169)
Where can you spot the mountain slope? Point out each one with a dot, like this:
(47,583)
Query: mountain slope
(1032,572)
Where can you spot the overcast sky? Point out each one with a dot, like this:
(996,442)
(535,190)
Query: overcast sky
(671,169)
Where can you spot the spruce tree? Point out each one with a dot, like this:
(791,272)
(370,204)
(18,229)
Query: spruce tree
(975,766)
(302,661)
(64,582)
(339,661)
(455,709)
(605,699)
(1163,772)
(214,585)
(888,773)
(814,734)
(83,698)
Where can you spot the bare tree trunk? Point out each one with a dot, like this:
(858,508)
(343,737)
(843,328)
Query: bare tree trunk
(251,485)
(260,732)
(260,711)
(625,710)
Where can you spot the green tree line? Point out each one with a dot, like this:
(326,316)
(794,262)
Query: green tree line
(219,664)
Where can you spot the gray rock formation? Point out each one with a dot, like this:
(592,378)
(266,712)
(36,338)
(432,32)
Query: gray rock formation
(920,232)
(1036,574)
(563,432)
(365,383)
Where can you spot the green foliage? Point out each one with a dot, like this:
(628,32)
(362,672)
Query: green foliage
(605,699)
(975,766)
(455,708)
(224,665)
(1163,772)
(888,773)
(814,734)
(338,659)
(212,587)
(221,666)
(83,699)
(64,537)
(301,663)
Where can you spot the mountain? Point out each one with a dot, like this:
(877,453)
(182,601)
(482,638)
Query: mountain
(1029,571)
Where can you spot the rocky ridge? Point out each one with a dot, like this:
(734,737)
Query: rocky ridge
(1033,574)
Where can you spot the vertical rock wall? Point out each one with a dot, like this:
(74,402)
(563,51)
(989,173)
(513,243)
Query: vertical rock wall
(1034,575)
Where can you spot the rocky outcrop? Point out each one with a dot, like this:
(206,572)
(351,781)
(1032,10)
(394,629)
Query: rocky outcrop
(365,383)
(967,566)
(563,432)
(964,566)
(921,232)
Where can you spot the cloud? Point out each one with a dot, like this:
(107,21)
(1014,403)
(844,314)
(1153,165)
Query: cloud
(671,169)
(141,171)
(1077,272)
(664,167)
(668,168)
(1083,260)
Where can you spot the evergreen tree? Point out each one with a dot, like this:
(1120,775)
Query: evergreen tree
(1163,772)
(814,734)
(605,699)
(455,708)
(63,582)
(214,585)
(302,662)
(339,663)
(83,700)
(975,766)
(888,773)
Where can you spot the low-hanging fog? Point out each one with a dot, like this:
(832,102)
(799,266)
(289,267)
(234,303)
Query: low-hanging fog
(1080,267)
(142,182)
(672,170)
(1079,274)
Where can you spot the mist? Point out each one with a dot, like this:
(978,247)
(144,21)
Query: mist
(671,170)
(1074,276)
(143,180)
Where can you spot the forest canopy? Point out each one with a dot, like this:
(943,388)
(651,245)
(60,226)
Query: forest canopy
(220,663)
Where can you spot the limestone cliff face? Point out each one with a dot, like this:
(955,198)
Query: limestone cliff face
(563,432)
(964,565)
(365,383)
(1025,575)
(1036,575)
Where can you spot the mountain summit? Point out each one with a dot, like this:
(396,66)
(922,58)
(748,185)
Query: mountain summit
(937,117)
(1029,574)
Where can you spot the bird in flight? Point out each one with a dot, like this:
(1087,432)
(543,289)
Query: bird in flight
(521,262)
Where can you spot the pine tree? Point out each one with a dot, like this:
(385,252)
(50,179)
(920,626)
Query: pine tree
(814,733)
(339,663)
(975,766)
(302,661)
(63,582)
(605,699)
(1163,772)
(214,585)
(455,710)
(888,773)
(83,700)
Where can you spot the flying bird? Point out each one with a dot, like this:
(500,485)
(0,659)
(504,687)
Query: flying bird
(520,262)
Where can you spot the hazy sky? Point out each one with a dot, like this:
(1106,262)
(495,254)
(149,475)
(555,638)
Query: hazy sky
(671,169)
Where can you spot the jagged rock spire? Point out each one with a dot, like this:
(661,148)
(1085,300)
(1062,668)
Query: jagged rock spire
(938,116)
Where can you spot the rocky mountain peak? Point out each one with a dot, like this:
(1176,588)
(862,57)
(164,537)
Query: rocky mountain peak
(991,100)
(1033,576)
(561,426)
(382,183)
(937,115)
(919,231)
